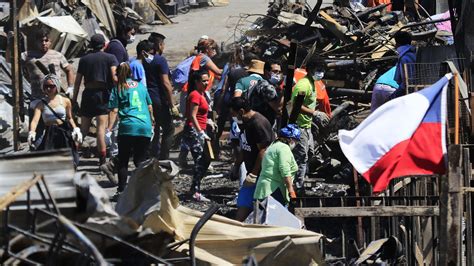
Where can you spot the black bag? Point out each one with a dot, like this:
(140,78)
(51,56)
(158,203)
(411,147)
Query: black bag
(59,136)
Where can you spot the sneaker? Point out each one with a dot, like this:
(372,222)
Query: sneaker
(115,197)
(200,197)
(109,170)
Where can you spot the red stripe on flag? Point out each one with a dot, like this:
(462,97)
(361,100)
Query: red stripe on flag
(420,155)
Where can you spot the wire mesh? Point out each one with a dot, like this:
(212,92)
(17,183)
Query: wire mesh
(422,75)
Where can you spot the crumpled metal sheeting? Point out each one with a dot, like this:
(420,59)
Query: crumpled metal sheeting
(67,36)
(103,12)
(143,193)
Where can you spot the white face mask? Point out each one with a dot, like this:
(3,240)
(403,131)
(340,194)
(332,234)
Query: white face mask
(238,121)
(318,75)
(292,145)
(148,58)
(131,40)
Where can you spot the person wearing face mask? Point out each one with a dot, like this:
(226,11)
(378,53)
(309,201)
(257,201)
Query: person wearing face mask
(279,167)
(306,86)
(118,45)
(255,136)
(144,53)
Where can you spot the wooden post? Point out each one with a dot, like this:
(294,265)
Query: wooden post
(289,81)
(360,234)
(451,209)
(468,207)
(15,65)
(456,108)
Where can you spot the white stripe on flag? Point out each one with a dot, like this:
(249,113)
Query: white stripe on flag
(390,124)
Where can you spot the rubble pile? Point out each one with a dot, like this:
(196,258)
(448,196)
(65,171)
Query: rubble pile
(143,228)
(357,45)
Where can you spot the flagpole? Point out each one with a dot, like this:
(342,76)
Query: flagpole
(456,108)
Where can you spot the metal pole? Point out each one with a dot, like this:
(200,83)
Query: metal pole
(15,64)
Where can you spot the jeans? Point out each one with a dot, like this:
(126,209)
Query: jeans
(302,151)
(163,121)
(200,154)
(380,94)
(128,145)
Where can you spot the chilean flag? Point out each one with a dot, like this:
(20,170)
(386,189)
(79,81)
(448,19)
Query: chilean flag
(405,136)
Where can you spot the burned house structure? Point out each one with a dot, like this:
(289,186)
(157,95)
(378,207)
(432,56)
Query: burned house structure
(418,220)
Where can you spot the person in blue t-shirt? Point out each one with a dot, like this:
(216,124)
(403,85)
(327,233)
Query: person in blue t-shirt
(144,53)
(131,101)
(161,92)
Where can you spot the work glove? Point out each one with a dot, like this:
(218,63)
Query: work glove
(321,118)
(174,111)
(31,138)
(212,124)
(203,136)
(77,135)
(70,91)
(250,180)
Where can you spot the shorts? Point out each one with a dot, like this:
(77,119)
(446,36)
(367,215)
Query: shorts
(245,198)
(95,102)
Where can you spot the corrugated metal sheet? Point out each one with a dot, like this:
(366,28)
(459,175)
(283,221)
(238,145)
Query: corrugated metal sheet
(56,167)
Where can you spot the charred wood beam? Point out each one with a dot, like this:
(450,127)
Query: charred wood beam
(347,92)
(296,110)
(371,211)
(364,14)
(289,81)
(314,14)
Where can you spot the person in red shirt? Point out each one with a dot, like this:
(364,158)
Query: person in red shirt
(194,133)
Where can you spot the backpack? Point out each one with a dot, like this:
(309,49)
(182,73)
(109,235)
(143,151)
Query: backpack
(180,74)
(260,93)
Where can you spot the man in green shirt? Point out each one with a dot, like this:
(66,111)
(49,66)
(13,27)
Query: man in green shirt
(305,146)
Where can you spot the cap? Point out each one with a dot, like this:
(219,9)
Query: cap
(97,40)
(291,131)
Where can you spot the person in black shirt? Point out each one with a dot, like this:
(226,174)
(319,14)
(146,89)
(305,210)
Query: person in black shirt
(118,45)
(161,92)
(98,70)
(256,135)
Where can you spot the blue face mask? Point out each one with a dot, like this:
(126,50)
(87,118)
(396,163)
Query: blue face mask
(318,75)
(275,79)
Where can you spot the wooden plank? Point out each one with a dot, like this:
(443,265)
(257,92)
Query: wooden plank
(17,191)
(471,103)
(160,13)
(15,75)
(369,211)
(468,207)
(450,211)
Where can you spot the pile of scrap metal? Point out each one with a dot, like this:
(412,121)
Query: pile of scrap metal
(357,45)
(59,218)
(71,24)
